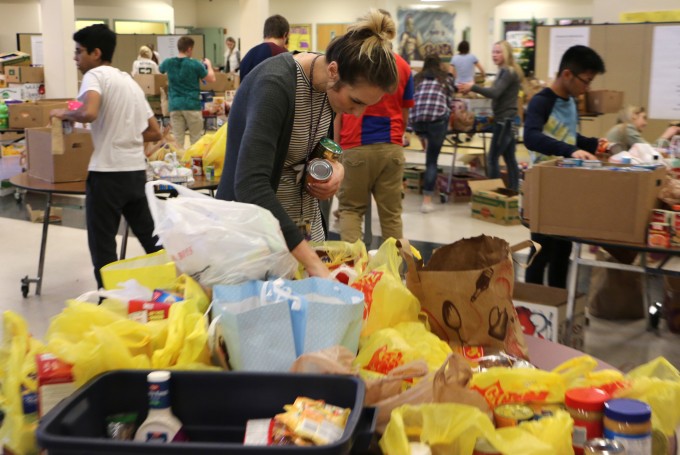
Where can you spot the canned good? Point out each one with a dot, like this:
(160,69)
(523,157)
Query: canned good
(512,414)
(319,171)
(601,446)
(67,126)
(210,172)
(327,149)
(197,165)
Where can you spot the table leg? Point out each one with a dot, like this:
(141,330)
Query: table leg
(43,244)
(572,280)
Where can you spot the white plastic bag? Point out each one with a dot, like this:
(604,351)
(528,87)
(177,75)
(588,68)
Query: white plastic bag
(219,242)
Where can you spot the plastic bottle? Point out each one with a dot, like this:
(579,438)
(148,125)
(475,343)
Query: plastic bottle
(160,425)
(586,407)
(629,423)
(4,116)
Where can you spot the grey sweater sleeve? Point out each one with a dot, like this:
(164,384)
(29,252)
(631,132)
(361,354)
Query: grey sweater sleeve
(504,93)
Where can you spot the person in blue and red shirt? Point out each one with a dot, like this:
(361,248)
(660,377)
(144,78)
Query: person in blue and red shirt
(276,30)
(373,158)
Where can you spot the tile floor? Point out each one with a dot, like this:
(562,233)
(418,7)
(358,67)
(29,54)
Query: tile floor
(68,273)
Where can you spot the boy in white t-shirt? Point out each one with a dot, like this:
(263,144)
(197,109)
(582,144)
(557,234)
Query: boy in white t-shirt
(121,122)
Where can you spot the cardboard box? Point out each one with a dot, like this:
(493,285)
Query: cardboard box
(24,74)
(14,59)
(591,203)
(30,91)
(414,177)
(223,82)
(70,166)
(542,312)
(12,93)
(33,114)
(38,216)
(151,83)
(492,202)
(604,101)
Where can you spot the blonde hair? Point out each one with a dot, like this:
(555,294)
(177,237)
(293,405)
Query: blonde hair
(364,53)
(145,52)
(627,114)
(509,59)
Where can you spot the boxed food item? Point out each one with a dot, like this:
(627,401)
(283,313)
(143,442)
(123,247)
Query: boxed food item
(458,190)
(45,163)
(604,101)
(14,59)
(24,74)
(55,381)
(33,114)
(152,83)
(600,203)
(492,202)
(10,93)
(542,312)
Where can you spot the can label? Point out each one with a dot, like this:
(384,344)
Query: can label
(197,165)
(210,172)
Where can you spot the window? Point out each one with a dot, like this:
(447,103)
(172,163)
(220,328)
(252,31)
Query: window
(141,27)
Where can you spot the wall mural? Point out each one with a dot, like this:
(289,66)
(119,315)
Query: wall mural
(424,32)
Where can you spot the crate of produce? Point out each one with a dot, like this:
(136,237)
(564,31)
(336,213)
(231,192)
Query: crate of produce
(214,408)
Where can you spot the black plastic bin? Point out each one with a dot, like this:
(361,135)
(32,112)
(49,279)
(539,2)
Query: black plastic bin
(213,406)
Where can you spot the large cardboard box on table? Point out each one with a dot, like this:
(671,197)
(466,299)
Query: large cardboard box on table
(46,164)
(33,114)
(30,91)
(604,101)
(24,74)
(542,312)
(223,82)
(591,203)
(492,202)
(152,83)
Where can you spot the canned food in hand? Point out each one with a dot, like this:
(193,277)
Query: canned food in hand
(327,149)
(319,171)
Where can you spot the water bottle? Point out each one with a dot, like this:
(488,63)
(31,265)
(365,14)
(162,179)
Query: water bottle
(4,116)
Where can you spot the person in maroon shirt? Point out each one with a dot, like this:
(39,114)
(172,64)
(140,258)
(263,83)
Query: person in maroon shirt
(276,30)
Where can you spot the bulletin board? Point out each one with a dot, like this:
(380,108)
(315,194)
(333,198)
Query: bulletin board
(127,47)
(627,51)
(300,37)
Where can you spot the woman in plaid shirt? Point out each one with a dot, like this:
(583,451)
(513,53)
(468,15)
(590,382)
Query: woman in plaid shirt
(434,89)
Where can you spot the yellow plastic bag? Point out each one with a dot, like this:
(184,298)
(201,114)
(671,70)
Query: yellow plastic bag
(199,148)
(453,429)
(216,152)
(334,253)
(153,271)
(657,383)
(389,348)
(579,372)
(387,300)
(17,376)
(501,385)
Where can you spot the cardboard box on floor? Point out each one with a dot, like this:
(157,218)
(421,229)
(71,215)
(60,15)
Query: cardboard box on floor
(45,163)
(492,202)
(459,189)
(604,101)
(590,203)
(33,114)
(151,83)
(542,312)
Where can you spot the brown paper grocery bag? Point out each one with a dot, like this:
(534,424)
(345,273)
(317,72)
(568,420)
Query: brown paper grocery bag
(466,291)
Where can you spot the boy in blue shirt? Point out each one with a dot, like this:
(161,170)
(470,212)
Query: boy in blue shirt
(551,128)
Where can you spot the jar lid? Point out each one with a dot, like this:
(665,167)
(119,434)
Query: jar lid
(586,398)
(627,410)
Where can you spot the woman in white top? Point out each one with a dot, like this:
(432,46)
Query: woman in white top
(144,64)
(232,57)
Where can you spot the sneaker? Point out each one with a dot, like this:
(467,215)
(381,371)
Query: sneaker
(427,208)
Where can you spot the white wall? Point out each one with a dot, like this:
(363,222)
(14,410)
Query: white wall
(186,13)
(19,17)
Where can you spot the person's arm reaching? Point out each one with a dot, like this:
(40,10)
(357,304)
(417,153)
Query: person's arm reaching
(86,113)
(211,72)
(481,69)
(152,133)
